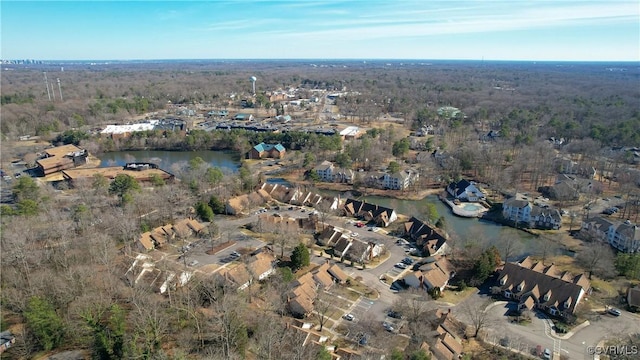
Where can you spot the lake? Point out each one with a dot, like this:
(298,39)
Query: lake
(228,161)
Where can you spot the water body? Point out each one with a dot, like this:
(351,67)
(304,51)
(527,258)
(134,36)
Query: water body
(227,161)
(466,229)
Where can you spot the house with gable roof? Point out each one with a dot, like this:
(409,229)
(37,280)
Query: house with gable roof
(465,190)
(624,236)
(381,215)
(262,150)
(535,285)
(435,273)
(430,239)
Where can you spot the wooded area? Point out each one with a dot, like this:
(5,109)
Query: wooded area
(64,256)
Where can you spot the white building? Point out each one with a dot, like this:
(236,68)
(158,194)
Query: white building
(399,181)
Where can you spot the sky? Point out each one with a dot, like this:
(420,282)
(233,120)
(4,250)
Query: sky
(541,30)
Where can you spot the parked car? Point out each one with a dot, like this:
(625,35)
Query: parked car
(394,314)
(387,326)
(546,354)
(193,262)
(407,261)
(614,311)
(348,317)
(400,266)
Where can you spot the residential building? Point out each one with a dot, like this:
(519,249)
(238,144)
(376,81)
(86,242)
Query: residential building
(261,264)
(595,228)
(624,236)
(325,171)
(517,209)
(342,245)
(399,181)
(6,340)
(429,239)
(435,273)
(160,276)
(302,295)
(520,211)
(363,252)
(239,204)
(535,285)
(60,158)
(465,190)
(338,275)
(443,341)
(328,172)
(243,117)
(237,275)
(567,166)
(380,215)
(161,235)
(545,218)
(262,150)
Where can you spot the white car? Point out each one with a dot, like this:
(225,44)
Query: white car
(400,266)
(614,312)
(348,317)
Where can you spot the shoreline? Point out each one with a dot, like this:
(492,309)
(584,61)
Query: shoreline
(392,194)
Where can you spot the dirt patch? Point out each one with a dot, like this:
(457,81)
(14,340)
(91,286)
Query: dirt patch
(222,246)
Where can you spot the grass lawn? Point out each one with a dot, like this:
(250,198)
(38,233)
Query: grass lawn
(454,297)
(349,294)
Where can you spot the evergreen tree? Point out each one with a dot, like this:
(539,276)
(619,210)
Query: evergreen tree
(204,211)
(44,322)
(300,257)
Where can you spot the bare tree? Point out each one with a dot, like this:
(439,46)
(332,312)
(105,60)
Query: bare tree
(597,259)
(546,247)
(477,315)
(322,306)
(509,245)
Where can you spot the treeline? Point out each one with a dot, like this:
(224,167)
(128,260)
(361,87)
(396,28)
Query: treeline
(531,100)
(238,140)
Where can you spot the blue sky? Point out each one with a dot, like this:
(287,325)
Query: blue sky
(391,29)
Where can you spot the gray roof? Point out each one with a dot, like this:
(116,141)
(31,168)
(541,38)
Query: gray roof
(515,202)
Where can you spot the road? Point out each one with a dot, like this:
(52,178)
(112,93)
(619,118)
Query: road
(520,337)
(526,337)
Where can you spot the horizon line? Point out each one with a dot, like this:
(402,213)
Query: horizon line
(319,59)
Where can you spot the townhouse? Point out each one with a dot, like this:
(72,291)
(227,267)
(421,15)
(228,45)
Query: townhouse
(623,236)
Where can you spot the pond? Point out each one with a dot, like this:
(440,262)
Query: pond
(466,229)
(227,161)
